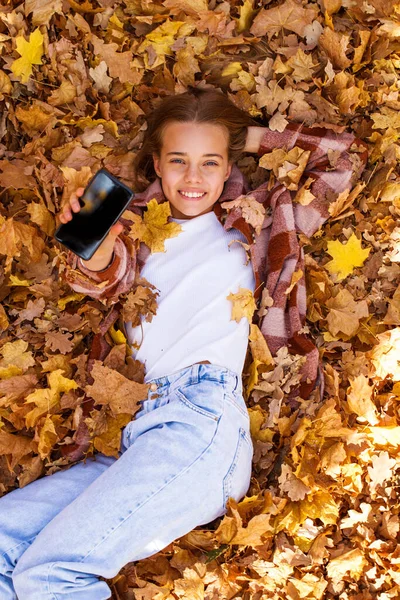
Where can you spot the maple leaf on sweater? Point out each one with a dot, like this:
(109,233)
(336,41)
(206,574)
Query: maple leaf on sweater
(154,228)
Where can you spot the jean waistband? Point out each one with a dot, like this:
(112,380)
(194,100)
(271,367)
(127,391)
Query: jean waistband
(194,374)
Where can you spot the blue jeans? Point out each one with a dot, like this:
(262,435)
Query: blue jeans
(185,453)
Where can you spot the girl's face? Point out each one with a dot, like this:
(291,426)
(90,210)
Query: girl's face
(193,161)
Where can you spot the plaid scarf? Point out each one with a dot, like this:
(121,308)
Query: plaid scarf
(334,163)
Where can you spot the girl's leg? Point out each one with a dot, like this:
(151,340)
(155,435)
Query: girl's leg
(24,512)
(180,463)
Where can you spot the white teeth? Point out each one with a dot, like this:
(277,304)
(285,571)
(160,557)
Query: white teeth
(192,195)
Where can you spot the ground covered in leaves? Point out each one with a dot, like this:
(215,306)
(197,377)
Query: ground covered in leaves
(77,79)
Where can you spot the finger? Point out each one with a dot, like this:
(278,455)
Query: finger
(76,207)
(67,214)
(117,228)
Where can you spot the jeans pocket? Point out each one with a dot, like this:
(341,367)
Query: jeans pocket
(205,398)
(237,480)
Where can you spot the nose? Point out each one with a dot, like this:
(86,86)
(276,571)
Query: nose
(192,174)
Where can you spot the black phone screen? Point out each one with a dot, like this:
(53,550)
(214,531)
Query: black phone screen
(102,203)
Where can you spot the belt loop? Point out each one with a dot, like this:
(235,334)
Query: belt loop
(235,389)
(197,373)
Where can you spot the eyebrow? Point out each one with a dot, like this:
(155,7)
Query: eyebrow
(185,154)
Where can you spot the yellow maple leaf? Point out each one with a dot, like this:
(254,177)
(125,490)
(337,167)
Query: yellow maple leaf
(257,419)
(48,435)
(247,13)
(109,441)
(31,54)
(16,281)
(253,377)
(62,302)
(10,371)
(15,354)
(154,229)
(243,305)
(48,398)
(117,335)
(259,346)
(346,256)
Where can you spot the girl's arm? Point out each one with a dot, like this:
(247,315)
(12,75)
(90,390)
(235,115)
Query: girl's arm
(335,163)
(254,137)
(108,283)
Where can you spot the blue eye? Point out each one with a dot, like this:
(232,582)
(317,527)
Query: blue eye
(207,163)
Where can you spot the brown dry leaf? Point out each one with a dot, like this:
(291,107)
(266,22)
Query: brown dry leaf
(384,356)
(289,15)
(252,211)
(345,313)
(359,400)
(288,167)
(335,45)
(42,10)
(58,341)
(116,391)
(290,484)
(381,470)
(351,563)
(142,301)
(16,446)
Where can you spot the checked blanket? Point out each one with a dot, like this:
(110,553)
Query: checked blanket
(311,166)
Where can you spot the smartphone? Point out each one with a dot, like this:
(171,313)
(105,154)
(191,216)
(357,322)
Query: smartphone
(102,203)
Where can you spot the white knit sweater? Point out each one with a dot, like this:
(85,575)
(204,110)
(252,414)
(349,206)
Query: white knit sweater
(193,323)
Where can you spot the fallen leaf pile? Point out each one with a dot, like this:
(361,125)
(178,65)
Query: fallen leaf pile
(77,79)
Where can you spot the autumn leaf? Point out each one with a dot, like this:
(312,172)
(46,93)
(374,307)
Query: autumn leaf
(17,354)
(109,442)
(287,166)
(31,54)
(382,469)
(15,446)
(359,400)
(252,211)
(243,305)
(257,421)
(14,235)
(259,347)
(289,15)
(116,391)
(48,435)
(154,229)
(141,303)
(46,399)
(246,14)
(346,256)
(352,562)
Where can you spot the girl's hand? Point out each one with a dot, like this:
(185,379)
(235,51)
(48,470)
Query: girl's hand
(103,255)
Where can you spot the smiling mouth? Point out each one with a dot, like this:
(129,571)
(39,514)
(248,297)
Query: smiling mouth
(192,197)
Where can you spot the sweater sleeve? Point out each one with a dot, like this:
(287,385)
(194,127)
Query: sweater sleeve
(108,284)
(334,164)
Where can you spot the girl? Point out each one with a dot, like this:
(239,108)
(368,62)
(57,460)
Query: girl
(189,448)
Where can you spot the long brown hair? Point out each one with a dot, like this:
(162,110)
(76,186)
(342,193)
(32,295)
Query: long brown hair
(199,105)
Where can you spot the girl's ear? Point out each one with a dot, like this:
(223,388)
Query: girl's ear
(156,162)
(228,171)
